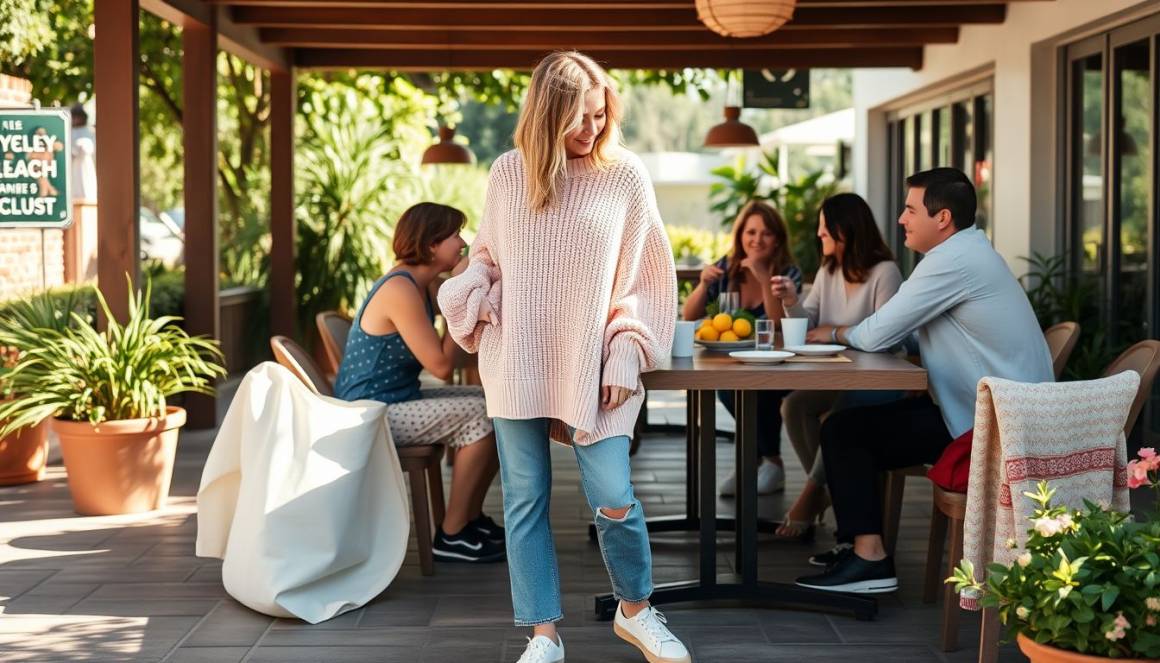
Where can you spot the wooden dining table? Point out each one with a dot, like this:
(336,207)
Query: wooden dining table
(701,376)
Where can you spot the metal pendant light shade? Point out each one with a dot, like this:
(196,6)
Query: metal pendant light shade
(446,150)
(744,18)
(732,132)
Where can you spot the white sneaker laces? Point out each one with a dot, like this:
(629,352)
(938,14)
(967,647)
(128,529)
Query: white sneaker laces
(654,621)
(536,651)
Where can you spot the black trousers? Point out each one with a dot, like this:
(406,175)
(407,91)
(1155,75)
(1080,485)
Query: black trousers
(768,419)
(859,443)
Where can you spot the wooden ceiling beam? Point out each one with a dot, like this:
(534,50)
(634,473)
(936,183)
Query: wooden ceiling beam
(595,41)
(444,60)
(948,15)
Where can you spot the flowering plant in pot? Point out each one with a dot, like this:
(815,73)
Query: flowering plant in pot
(105,392)
(1087,587)
(24,451)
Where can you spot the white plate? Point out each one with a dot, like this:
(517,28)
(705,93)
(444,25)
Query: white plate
(815,350)
(761,356)
(725,346)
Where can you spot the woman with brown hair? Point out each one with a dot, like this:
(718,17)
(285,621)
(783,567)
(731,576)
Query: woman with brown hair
(857,277)
(392,339)
(760,252)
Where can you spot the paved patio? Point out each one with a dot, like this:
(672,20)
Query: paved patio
(129,588)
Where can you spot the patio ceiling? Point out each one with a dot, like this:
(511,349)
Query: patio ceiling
(426,35)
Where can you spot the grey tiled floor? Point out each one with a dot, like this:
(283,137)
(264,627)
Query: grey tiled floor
(130,588)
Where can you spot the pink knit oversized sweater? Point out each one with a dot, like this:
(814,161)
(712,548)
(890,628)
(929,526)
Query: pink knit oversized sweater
(585,293)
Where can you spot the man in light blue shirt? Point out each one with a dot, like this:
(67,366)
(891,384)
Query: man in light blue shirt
(973,320)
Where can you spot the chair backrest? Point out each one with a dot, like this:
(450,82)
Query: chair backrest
(293,357)
(333,328)
(1144,358)
(1061,340)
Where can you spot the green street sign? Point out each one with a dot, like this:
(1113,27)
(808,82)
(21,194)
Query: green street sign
(35,158)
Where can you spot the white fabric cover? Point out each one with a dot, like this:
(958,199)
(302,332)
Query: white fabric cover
(303,498)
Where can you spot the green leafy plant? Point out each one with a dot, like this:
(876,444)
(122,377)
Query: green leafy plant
(1087,582)
(75,372)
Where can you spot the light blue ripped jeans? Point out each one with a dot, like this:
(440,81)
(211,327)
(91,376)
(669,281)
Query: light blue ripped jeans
(526,472)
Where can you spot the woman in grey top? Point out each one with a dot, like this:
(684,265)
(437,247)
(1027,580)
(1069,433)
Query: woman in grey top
(857,277)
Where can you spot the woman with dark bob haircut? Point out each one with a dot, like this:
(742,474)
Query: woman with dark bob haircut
(858,276)
(392,339)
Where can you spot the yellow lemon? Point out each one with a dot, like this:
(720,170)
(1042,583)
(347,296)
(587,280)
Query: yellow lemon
(705,323)
(742,327)
(723,322)
(708,334)
(729,336)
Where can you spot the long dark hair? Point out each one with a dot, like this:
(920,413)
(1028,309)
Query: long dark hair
(781,259)
(849,220)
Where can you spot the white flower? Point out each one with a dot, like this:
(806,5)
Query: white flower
(1115,634)
(1046,526)
(1024,559)
(1022,612)
(1065,521)
(1011,544)
(1153,603)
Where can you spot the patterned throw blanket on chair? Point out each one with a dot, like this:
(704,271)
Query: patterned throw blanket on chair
(1070,434)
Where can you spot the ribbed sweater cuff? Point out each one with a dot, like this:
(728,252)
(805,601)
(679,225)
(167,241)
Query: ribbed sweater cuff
(622,368)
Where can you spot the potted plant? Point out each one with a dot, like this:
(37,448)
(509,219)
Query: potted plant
(105,393)
(24,452)
(1087,588)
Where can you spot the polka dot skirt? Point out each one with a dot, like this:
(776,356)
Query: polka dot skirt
(455,416)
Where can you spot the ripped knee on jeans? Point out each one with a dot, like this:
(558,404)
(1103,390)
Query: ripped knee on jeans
(615,514)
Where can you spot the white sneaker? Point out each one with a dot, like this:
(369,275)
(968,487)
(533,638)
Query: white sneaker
(541,649)
(647,631)
(770,480)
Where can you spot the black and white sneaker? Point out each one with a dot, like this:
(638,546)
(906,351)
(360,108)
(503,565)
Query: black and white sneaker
(490,529)
(466,545)
(853,574)
(831,556)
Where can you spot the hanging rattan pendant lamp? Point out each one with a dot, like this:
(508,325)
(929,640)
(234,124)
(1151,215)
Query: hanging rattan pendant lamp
(744,18)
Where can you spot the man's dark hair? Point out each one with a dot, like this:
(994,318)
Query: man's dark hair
(949,189)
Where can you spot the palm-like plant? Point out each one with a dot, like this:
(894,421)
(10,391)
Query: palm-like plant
(65,368)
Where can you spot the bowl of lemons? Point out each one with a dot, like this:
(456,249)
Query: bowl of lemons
(726,332)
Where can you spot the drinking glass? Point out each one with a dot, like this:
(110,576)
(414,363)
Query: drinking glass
(763,334)
(728,302)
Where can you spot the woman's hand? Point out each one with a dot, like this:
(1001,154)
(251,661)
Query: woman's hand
(783,288)
(820,335)
(711,273)
(486,312)
(613,397)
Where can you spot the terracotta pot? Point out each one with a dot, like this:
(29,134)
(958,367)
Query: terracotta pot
(120,466)
(1047,654)
(23,455)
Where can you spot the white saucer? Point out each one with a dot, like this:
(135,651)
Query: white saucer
(761,356)
(815,350)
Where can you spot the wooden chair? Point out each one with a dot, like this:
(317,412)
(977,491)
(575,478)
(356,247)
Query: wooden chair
(420,462)
(1061,340)
(950,510)
(333,329)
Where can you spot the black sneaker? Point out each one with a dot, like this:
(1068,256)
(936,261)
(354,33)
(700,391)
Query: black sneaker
(490,529)
(466,545)
(831,556)
(855,575)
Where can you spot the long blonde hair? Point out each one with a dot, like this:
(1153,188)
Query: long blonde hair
(554,107)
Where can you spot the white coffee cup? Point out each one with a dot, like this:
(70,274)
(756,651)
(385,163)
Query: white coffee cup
(683,338)
(793,331)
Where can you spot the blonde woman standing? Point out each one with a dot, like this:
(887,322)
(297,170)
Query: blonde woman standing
(569,295)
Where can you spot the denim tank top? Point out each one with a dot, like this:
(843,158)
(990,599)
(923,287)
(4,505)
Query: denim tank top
(379,367)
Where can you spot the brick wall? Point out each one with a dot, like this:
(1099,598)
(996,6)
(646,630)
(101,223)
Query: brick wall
(14,92)
(25,265)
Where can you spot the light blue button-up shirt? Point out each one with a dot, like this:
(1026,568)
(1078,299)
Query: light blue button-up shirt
(973,321)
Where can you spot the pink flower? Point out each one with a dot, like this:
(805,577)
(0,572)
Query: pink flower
(1150,620)
(1122,621)
(1048,526)
(1133,482)
(1115,634)
(1138,473)
(1147,452)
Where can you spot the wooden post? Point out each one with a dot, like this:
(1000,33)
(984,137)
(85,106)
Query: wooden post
(199,127)
(283,298)
(116,54)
